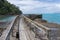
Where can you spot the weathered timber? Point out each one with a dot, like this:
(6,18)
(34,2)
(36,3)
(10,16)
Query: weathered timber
(38,31)
(22,32)
(6,33)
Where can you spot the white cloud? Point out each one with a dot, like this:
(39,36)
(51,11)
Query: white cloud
(30,6)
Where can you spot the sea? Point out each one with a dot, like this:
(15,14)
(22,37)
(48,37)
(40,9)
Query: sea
(6,18)
(52,18)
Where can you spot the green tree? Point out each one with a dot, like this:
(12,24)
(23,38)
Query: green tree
(8,9)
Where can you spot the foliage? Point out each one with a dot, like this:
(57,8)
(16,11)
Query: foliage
(8,9)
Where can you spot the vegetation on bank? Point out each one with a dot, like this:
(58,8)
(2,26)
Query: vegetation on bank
(8,9)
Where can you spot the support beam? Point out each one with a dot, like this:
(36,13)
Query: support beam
(22,32)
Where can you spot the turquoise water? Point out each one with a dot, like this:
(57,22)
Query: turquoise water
(53,18)
(6,18)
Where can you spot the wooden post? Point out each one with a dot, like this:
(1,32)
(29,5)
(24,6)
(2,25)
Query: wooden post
(48,34)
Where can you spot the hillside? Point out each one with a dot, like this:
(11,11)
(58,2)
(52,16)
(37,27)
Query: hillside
(8,9)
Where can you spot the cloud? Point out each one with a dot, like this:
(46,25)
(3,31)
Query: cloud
(31,6)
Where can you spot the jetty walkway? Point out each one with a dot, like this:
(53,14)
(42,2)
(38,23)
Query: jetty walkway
(23,28)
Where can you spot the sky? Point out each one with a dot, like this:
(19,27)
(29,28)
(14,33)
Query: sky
(37,6)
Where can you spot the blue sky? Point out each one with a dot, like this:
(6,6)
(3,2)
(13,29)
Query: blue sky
(37,6)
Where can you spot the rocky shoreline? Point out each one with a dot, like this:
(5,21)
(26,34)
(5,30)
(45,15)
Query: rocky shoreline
(47,24)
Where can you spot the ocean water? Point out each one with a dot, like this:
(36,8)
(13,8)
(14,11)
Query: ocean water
(6,18)
(52,18)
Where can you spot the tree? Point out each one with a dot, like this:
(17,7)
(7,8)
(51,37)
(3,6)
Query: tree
(8,9)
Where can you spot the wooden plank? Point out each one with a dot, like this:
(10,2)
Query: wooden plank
(22,32)
(39,30)
(7,31)
(42,26)
(29,20)
(30,33)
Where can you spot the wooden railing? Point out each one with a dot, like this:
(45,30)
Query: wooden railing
(6,33)
(36,27)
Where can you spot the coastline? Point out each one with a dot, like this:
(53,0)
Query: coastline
(47,24)
(52,18)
